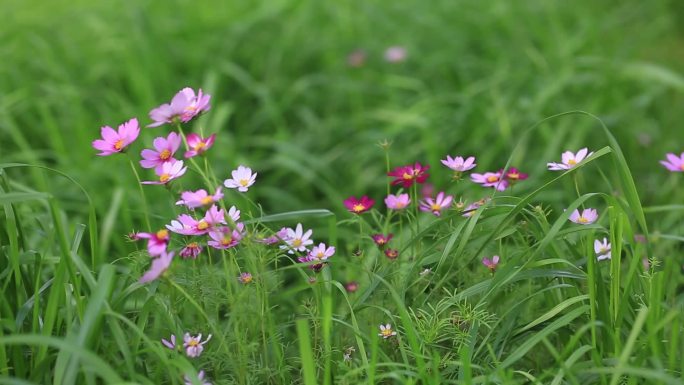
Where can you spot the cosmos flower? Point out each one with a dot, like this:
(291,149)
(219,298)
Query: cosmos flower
(514,175)
(187,225)
(321,252)
(602,249)
(297,239)
(170,344)
(156,242)
(281,235)
(491,263)
(164,149)
(392,254)
(674,163)
(199,198)
(386,331)
(113,142)
(407,175)
(588,216)
(381,240)
(490,179)
(395,54)
(198,145)
(225,237)
(351,286)
(194,346)
(358,206)
(569,160)
(184,106)
(242,179)
(397,202)
(458,164)
(159,266)
(245,278)
(436,205)
(191,250)
(169,171)
(200,379)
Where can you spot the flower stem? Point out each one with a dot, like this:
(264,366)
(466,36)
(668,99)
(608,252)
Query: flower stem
(142,194)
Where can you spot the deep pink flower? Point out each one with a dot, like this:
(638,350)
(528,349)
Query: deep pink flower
(194,199)
(392,254)
(491,263)
(191,250)
(514,175)
(490,179)
(194,346)
(458,164)
(588,216)
(569,160)
(169,171)
(381,240)
(436,205)
(198,145)
(184,106)
(397,202)
(117,141)
(674,163)
(164,149)
(225,237)
(351,286)
(407,175)
(156,242)
(358,206)
(159,266)
(187,225)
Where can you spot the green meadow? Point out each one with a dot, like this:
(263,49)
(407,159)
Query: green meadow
(304,94)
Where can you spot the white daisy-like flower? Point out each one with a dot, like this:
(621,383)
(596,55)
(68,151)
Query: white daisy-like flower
(297,239)
(242,179)
(386,331)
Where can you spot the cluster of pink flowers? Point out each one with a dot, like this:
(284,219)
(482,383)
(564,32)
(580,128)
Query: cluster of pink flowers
(499,180)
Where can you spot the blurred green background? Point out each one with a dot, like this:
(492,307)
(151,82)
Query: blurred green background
(286,102)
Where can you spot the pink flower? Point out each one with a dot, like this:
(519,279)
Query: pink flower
(392,254)
(321,252)
(200,379)
(159,266)
(225,237)
(198,145)
(407,175)
(164,148)
(281,235)
(242,179)
(602,249)
(187,225)
(351,286)
(674,163)
(491,263)
(194,199)
(358,206)
(245,278)
(514,175)
(191,250)
(427,190)
(395,54)
(490,179)
(157,242)
(381,240)
(184,106)
(569,160)
(458,164)
(194,346)
(117,141)
(588,216)
(170,344)
(397,202)
(436,205)
(169,171)
(297,239)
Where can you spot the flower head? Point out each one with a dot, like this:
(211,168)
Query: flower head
(117,141)
(200,379)
(569,160)
(187,225)
(156,242)
(674,163)
(459,165)
(490,179)
(386,331)
(358,206)
(281,235)
(225,237)
(242,179)
(602,249)
(184,106)
(407,175)
(191,250)
(491,263)
(436,205)
(164,149)
(381,240)
(169,171)
(391,254)
(395,54)
(194,346)
(297,239)
(245,278)
(397,202)
(514,175)
(199,198)
(170,344)
(159,266)
(587,217)
(321,252)
(198,145)
(351,286)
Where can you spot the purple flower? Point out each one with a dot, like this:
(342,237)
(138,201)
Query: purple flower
(184,106)
(195,199)
(191,250)
(159,266)
(164,148)
(674,163)
(170,344)
(436,205)
(225,237)
(194,346)
(587,217)
(117,141)
(490,179)
(397,202)
(491,263)
(458,164)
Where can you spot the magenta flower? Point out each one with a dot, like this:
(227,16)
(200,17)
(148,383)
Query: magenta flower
(194,346)
(458,164)
(117,141)
(191,250)
(195,199)
(358,206)
(381,240)
(397,202)
(169,171)
(159,266)
(674,163)
(569,160)
(395,54)
(245,278)
(200,379)
(491,263)
(297,239)
(392,254)
(187,225)
(588,216)
(514,175)
(602,249)
(436,205)
(164,148)
(351,286)
(490,179)
(170,344)
(198,145)
(407,175)
(184,106)
(242,179)
(156,242)
(225,237)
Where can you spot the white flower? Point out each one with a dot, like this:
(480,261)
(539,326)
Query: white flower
(242,179)
(297,240)
(386,331)
(569,160)
(602,249)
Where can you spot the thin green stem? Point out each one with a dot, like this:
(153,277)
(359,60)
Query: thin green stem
(146,210)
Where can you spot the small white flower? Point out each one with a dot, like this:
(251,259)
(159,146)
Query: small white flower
(602,249)
(569,160)
(297,240)
(242,179)
(386,331)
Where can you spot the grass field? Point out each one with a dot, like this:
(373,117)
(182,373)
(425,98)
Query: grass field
(513,83)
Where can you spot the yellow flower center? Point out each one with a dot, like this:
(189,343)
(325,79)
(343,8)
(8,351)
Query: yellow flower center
(681,167)
(243,182)
(407,176)
(514,175)
(193,342)
(320,255)
(399,205)
(297,243)
(192,245)
(492,179)
(386,333)
(435,207)
(118,144)
(200,145)
(164,178)
(162,234)
(202,225)
(602,250)
(246,278)
(207,200)
(358,207)
(226,241)
(572,162)
(165,155)
(582,220)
